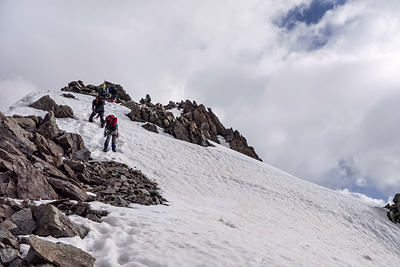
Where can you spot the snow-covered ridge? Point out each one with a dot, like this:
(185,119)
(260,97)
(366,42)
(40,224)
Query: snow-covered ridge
(225,209)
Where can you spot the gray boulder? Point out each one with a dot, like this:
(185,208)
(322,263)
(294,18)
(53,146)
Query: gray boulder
(24,221)
(6,211)
(67,189)
(59,254)
(31,182)
(26,123)
(47,104)
(7,254)
(71,143)
(52,222)
(82,155)
(49,128)
(14,134)
(49,150)
(8,239)
(150,127)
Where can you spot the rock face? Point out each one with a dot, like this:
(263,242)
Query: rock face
(47,104)
(48,128)
(80,87)
(71,143)
(196,124)
(394,209)
(13,135)
(30,159)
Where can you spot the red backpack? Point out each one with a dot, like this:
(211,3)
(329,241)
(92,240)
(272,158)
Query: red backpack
(111,120)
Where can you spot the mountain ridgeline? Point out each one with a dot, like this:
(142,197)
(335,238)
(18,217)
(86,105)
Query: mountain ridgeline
(196,123)
(39,161)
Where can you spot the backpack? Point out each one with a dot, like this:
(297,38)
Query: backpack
(97,100)
(111,120)
(102,90)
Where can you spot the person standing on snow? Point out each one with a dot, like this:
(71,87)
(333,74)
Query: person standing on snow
(98,108)
(111,132)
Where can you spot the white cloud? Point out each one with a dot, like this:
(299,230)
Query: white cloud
(303,110)
(370,201)
(12,90)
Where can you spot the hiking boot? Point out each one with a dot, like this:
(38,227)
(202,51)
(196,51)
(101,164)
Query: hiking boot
(105,149)
(114,150)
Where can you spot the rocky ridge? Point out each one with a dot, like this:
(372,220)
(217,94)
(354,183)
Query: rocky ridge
(38,161)
(197,124)
(81,88)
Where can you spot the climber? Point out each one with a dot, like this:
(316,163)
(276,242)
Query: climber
(102,90)
(113,91)
(146,100)
(98,108)
(111,130)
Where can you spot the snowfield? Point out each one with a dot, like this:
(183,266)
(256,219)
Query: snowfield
(224,208)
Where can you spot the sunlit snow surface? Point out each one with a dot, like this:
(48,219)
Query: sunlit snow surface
(225,209)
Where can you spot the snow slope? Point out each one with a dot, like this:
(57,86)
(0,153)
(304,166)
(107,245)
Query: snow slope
(225,209)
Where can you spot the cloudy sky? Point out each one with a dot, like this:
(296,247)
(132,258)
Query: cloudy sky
(312,85)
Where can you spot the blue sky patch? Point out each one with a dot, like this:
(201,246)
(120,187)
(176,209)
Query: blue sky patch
(345,176)
(309,14)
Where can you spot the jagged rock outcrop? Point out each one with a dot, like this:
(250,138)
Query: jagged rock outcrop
(394,209)
(150,113)
(239,143)
(22,180)
(184,129)
(30,159)
(81,88)
(211,127)
(196,124)
(13,135)
(71,143)
(49,128)
(181,128)
(49,150)
(47,104)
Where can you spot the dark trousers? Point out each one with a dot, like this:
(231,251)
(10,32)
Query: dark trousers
(101,115)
